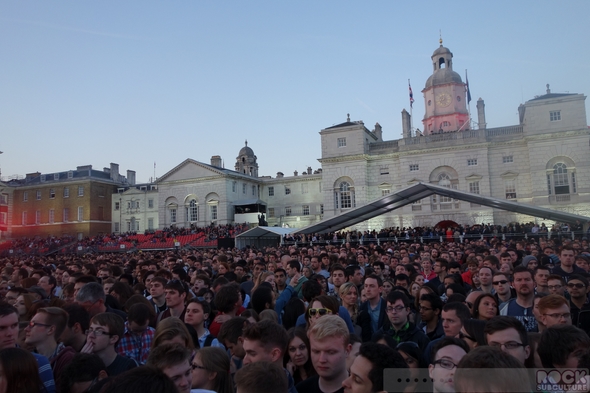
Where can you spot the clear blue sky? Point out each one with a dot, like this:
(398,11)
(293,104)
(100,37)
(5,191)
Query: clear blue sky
(138,82)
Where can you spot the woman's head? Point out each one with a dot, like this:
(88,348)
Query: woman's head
(349,294)
(387,287)
(298,348)
(485,307)
(415,289)
(320,306)
(23,305)
(472,333)
(19,371)
(172,331)
(211,370)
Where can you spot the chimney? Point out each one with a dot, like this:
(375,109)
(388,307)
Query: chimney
(131,177)
(378,132)
(280,175)
(481,114)
(406,124)
(309,170)
(33,175)
(295,173)
(114,172)
(216,161)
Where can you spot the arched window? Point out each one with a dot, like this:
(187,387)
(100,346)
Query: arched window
(344,196)
(560,178)
(192,211)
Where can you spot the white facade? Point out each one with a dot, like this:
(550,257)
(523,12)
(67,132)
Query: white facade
(135,209)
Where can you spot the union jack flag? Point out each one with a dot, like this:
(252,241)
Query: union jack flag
(411,94)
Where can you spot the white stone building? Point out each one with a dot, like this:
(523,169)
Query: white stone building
(135,208)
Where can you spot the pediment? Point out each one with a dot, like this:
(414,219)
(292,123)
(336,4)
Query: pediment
(473,177)
(509,175)
(414,181)
(190,169)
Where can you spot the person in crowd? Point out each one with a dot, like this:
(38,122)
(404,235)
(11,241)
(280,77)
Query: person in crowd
(136,341)
(567,257)
(176,293)
(85,373)
(446,355)
(502,289)
(522,306)
(350,299)
(91,296)
(261,377)
(556,285)
(197,312)
(430,308)
(230,335)
(485,307)
(298,357)
(413,357)
(227,302)
(554,310)
(19,372)
(174,361)
(472,333)
(564,346)
(510,335)
(78,321)
(577,287)
(372,313)
(211,370)
(320,306)
(541,274)
(158,294)
(173,330)
(453,317)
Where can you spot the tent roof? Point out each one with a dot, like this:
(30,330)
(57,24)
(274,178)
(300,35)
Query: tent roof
(418,191)
(266,232)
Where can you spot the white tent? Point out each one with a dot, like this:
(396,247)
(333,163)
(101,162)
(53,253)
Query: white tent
(262,237)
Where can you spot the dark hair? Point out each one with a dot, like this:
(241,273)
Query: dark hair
(144,379)
(232,329)
(226,298)
(412,349)
(176,285)
(456,298)
(394,296)
(558,342)
(293,309)
(140,313)
(294,264)
(77,314)
(375,277)
(270,335)
(7,309)
(503,322)
(308,366)
(382,357)
(311,289)
(460,309)
(521,269)
(475,329)
(21,371)
(84,367)
(329,302)
(262,296)
(479,300)
(445,342)
(261,377)
(435,301)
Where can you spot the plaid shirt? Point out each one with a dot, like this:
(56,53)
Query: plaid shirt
(136,346)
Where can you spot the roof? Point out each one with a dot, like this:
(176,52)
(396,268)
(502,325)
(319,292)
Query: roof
(244,202)
(259,232)
(552,95)
(419,191)
(345,124)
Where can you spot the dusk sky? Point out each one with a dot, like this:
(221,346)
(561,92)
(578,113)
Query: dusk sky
(138,82)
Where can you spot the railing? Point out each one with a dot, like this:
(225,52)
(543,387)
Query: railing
(384,146)
(560,198)
(502,131)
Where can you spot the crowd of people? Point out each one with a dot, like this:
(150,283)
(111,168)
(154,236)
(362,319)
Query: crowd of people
(336,317)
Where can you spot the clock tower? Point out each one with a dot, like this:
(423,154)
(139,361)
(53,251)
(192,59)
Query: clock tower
(444,96)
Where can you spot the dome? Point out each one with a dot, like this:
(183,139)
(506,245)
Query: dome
(443,77)
(441,50)
(246,151)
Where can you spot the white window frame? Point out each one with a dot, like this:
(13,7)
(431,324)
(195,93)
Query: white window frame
(38,195)
(474,187)
(80,213)
(25,196)
(305,210)
(472,162)
(287,189)
(414,167)
(271,212)
(213,212)
(51,216)
(555,115)
(37,217)
(341,142)
(24,218)
(510,188)
(271,191)
(288,211)
(80,191)
(507,159)
(66,214)
(66,192)
(52,193)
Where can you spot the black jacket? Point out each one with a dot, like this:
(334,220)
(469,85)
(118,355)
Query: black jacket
(411,333)
(364,319)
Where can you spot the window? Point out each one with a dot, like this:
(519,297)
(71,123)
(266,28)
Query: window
(117,227)
(56,176)
(446,124)
(385,192)
(555,115)
(253,190)
(271,191)
(304,188)
(3,219)
(51,216)
(472,162)
(561,180)
(306,210)
(66,192)
(234,186)
(136,204)
(80,213)
(66,215)
(150,203)
(3,199)
(213,212)
(128,205)
(288,211)
(271,212)
(341,142)
(192,211)
(150,223)
(24,218)
(344,196)
(510,186)
(25,196)
(414,167)
(287,190)
(42,177)
(38,217)
(51,193)
(243,188)
(70,175)
(321,209)
(38,192)
(507,159)
(384,170)
(80,191)
(173,216)
(474,187)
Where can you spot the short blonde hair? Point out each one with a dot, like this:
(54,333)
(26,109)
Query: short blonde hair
(329,326)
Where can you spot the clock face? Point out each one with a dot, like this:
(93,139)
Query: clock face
(443,99)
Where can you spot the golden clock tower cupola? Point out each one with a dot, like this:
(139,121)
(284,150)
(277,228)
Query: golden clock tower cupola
(444,96)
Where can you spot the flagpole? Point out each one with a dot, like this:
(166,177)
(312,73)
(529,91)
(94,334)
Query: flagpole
(411,109)
(468,97)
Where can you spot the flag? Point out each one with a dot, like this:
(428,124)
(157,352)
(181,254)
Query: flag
(467,87)
(411,94)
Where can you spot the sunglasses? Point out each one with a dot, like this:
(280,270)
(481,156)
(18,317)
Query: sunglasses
(500,282)
(321,311)
(576,285)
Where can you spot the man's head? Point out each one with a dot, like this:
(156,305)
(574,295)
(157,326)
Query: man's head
(78,323)
(366,371)
(157,288)
(430,307)
(522,281)
(264,341)
(261,377)
(47,325)
(293,267)
(175,293)
(91,296)
(230,335)
(453,315)
(577,286)
(8,325)
(226,299)
(446,355)
(554,310)
(398,309)
(106,329)
(567,256)
(541,275)
(564,346)
(48,283)
(280,277)
(329,342)
(485,276)
(354,274)
(508,334)
(373,287)
(556,284)
(82,372)
(174,361)
(501,283)
(338,274)
(139,317)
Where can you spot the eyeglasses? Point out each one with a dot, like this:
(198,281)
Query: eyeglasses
(500,282)
(509,345)
(196,366)
(578,285)
(396,309)
(446,364)
(98,332)
(32,324)
(321,311)
(565,315)
(463,335)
